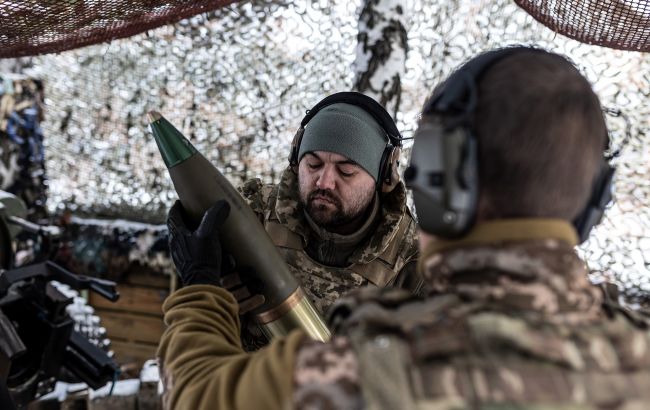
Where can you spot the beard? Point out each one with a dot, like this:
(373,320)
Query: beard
(333,214)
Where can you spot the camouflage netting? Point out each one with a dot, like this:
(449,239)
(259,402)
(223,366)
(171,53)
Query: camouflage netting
(37,27)
(620,24)
(22,160)
(31,27)
(237,82)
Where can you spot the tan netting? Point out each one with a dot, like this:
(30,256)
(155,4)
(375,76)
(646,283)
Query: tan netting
(620,24)
(31,27)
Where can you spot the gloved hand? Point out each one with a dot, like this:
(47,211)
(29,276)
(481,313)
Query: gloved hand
(197,254)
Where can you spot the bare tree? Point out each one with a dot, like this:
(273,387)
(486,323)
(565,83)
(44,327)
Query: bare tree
(381,51)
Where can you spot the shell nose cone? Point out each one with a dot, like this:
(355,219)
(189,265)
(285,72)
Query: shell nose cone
(153,116)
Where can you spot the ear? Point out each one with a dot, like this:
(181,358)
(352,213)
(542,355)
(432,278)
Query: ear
(393,171)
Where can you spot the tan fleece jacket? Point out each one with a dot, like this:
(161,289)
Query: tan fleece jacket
(204,365)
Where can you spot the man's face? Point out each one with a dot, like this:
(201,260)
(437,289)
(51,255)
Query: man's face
(334,190)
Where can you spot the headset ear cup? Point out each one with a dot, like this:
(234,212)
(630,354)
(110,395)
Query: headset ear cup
(390,172)
(599,199)
(295,147)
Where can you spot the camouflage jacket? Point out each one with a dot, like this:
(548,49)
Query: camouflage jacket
(385,258)
(511,322)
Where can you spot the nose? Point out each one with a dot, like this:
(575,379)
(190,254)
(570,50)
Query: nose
(327,178)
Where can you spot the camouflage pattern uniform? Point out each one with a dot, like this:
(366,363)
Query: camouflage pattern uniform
(508,325)
(386,258)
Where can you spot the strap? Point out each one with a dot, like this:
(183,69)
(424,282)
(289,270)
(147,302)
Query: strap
(384,356)
(376,272)
(390,254)
(282,236)
(384,381)
(381,270)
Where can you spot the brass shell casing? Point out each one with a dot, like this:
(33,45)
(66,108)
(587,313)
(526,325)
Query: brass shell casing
(295,312)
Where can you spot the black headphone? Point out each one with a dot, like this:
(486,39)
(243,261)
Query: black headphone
(443,172)
(390,157)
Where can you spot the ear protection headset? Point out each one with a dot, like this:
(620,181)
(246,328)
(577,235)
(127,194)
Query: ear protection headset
(443,172)
(388,166)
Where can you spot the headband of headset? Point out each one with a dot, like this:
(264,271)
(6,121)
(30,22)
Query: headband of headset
(388,175)
(459,93)
(447,187)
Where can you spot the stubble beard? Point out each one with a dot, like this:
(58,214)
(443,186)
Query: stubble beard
(334,215)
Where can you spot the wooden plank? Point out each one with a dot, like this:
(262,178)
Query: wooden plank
(143,276)
(133,299)
(148,398)
(75,400)
(132,352)
(50,404)
(114,402)
(134,327)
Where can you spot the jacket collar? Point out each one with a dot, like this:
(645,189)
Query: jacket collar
(290,213)
(518,265)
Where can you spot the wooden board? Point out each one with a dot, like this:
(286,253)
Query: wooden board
(143,276)
(134,323)
(114,402)
(148,398)
(132,352)
(133,299)
(133,327)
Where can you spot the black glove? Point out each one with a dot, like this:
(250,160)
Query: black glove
(197,255)
(199,259)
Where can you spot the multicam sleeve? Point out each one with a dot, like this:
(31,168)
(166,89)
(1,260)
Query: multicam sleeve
(326,376)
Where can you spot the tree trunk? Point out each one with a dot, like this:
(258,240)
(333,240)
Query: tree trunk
(381,51)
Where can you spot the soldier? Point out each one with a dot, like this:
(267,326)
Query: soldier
(508,174)
(338,215)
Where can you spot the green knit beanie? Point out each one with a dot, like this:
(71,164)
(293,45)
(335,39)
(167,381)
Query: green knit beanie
(347,130)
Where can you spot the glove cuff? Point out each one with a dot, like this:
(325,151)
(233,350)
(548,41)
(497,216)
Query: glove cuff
(200,277)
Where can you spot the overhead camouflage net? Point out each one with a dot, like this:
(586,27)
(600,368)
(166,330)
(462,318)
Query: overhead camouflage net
(237,82)
(620,24)
(31,27)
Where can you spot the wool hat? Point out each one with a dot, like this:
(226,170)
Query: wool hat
(347,130)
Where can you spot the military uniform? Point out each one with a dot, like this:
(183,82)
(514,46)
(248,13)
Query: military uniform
(512,322)
(384,255)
